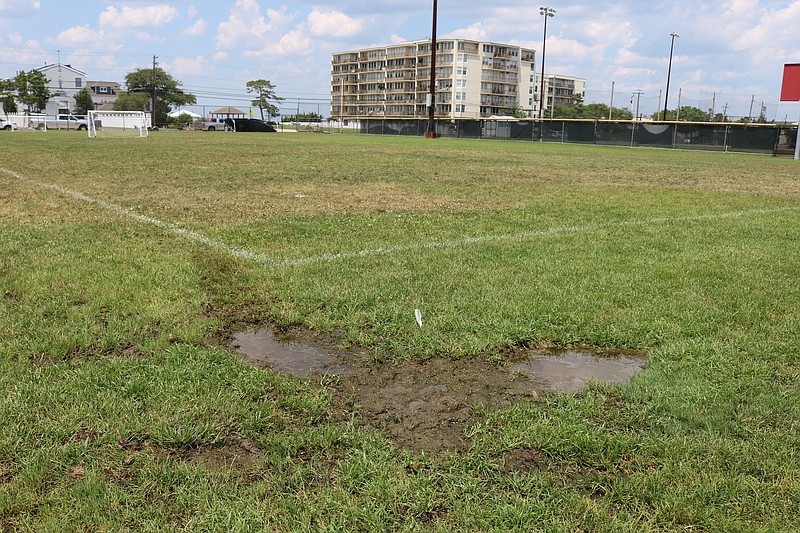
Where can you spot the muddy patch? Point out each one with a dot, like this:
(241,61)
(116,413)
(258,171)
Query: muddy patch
(428,405)
(571,370)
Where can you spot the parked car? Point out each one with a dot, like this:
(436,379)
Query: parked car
(6,125)
(214,124)
(248,124)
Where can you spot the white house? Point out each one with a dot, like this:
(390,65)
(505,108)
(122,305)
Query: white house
(64,81)
(104,93)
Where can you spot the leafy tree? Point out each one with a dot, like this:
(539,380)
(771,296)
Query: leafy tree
(589,111)
(302,117)
(132,101)
(32,90)
(516,112)
(264,91)
(686,114)
(167,90)
(7,100)
(83,102)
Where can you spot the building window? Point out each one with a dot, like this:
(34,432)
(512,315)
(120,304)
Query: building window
(78,83)
(461,108)
(462,58)
(461,95)
(461,84)
(461,71)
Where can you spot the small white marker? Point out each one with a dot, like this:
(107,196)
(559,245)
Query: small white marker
(418,316)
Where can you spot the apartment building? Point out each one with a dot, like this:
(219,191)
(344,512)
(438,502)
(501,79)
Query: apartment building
(473,80)
(558,89)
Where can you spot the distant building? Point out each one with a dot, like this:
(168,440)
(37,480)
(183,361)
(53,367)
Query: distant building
(558,90)
(104,93)
(473,79)
(64,82)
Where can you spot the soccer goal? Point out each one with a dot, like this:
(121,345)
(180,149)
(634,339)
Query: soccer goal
(118,124)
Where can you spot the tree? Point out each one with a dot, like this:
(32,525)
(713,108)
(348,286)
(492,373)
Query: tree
(685,114)
(264,91)
(132,101)
(516,112)
(83,102)
(32,90)
(167,90)
(7,100)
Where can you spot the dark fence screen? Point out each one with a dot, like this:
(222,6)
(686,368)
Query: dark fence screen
(755,138)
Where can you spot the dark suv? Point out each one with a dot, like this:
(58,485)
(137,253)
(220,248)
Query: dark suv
(248,124)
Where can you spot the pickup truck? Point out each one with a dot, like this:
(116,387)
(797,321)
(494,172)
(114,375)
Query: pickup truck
(214,124)
(60,122)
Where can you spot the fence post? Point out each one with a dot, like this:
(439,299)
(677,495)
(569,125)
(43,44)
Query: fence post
(725,141)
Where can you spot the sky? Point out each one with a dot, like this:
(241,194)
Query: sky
(729,55)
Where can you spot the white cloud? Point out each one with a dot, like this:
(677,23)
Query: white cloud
(333,24)
(477,32)
(19,8)
(76,36)
(294,43)
(246,25)
(220,56)
(197,29)
(129,17)
(150,38)
(185,66)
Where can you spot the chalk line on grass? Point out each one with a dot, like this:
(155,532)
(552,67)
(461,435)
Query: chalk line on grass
(262,259)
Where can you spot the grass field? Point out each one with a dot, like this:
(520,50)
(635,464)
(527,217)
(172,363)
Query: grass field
(126,264)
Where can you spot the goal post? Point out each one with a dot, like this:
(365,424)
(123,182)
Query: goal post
(117,123)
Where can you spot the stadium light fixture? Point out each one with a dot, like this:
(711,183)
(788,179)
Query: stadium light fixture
(669,72)
(547,12)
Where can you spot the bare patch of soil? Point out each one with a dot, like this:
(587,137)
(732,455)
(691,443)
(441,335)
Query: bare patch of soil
(235,454)
(425,406)
(428,405)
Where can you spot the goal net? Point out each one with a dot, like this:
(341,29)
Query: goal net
(118,124)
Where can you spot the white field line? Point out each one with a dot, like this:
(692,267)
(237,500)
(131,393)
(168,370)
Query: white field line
(383,250)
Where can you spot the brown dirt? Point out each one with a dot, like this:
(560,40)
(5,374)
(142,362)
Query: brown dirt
(425,406)
(420,405)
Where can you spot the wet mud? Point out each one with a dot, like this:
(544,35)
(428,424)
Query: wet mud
(428,405)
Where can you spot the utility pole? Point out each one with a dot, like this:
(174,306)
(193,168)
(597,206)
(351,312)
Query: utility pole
(153,95)
(669,73)
(431,133)
(611,105)
(637,95)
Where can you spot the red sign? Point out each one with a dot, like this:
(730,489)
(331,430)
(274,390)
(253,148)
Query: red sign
(790,90)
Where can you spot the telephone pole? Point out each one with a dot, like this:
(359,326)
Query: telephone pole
(153,95)
(431,133)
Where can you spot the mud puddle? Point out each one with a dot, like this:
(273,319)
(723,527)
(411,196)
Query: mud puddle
(426,406)
(285,353)
(571,370)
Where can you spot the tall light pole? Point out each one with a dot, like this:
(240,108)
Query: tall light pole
(669,72)
(546,12)
(431,133)
(341,105)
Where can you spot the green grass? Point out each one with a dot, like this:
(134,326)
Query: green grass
(114,398)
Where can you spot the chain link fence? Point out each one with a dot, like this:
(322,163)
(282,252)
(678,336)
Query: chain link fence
(771,139)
